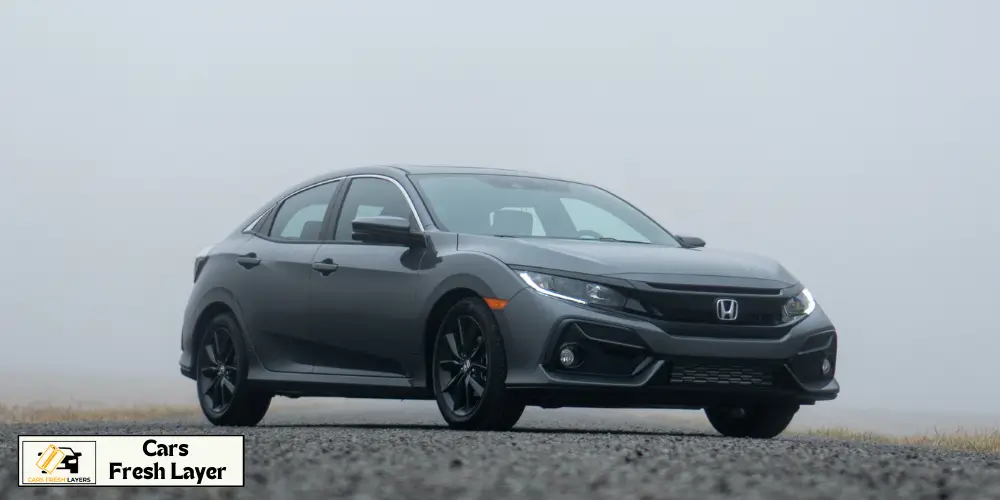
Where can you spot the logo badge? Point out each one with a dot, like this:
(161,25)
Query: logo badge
(727,309)
(55,463)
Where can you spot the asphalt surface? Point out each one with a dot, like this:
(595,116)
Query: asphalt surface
(404,452)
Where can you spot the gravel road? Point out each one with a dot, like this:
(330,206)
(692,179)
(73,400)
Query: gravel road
(406,453)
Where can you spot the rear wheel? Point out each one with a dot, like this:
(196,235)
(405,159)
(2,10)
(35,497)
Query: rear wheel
(224,394)
(762,421)
(469,370)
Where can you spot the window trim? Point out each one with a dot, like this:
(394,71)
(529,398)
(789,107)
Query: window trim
(347,190)
(265,213)
(277,205)
(409,201)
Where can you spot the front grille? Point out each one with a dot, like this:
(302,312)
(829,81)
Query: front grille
(700,308)
(720,374)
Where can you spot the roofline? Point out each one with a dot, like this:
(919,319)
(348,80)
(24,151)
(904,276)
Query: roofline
(473,170)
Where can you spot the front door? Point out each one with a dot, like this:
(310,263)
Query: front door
(365,298)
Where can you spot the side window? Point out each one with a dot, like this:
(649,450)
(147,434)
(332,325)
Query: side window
(300,218)
(369,197)
(587,217)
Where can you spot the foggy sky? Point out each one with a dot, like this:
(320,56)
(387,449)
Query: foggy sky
(856,142)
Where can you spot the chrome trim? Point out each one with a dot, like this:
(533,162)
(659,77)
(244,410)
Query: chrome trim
(727,309)
(293,193)
(409,201)
(257,220)
(315,184)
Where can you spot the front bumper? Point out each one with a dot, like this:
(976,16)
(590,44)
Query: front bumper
(631,361)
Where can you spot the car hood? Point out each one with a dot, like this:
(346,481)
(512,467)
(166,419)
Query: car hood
(634,261)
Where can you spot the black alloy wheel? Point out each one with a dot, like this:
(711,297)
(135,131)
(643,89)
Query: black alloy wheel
(463,364)
(469,370)
(217,373)
(225,395)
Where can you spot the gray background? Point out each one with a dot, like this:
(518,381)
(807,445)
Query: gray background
(855,142)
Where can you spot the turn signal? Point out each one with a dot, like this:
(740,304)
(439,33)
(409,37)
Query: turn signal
(496,304)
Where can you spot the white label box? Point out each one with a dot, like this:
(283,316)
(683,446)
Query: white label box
(106,460)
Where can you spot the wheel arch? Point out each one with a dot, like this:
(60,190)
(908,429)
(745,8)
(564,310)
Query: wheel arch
(452,290)
(217,301)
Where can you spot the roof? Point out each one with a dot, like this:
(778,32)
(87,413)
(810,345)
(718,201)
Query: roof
(460,169)
(427,169)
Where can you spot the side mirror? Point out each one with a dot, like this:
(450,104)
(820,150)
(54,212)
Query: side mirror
(386,229)
(691,241)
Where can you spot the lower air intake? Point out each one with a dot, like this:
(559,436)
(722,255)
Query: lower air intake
(720,375)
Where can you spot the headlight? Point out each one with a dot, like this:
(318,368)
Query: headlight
(800,305)
(581,292)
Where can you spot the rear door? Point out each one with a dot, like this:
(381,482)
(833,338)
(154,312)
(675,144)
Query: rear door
(277,262)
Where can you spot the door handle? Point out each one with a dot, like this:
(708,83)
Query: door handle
(325,267)
(248,261)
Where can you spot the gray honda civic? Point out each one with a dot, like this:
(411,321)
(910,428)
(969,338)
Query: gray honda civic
(490,290)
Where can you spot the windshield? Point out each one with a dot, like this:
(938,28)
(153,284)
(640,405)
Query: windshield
(506,205)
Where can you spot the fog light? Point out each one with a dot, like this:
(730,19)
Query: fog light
(567,357)
(826,367)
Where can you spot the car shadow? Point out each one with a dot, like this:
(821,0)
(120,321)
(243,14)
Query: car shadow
(518,430)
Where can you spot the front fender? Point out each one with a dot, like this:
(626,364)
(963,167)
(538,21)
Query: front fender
(478,272)
(482,273)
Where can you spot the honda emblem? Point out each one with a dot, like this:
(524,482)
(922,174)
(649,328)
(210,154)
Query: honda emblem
(727,309)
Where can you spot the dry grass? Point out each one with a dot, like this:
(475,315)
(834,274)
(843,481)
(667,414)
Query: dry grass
(37,414)
(981,441)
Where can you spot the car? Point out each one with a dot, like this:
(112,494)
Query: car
(489,290)
(69,463)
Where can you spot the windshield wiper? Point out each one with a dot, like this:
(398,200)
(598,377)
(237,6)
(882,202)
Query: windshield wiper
(616,240)
(605,238)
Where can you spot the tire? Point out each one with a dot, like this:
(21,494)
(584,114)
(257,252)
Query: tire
(758,422)
(469,370)
(225,396)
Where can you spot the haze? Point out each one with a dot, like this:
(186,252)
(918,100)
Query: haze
(855,142)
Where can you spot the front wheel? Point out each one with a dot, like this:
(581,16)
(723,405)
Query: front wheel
(762,421)
(469,370)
